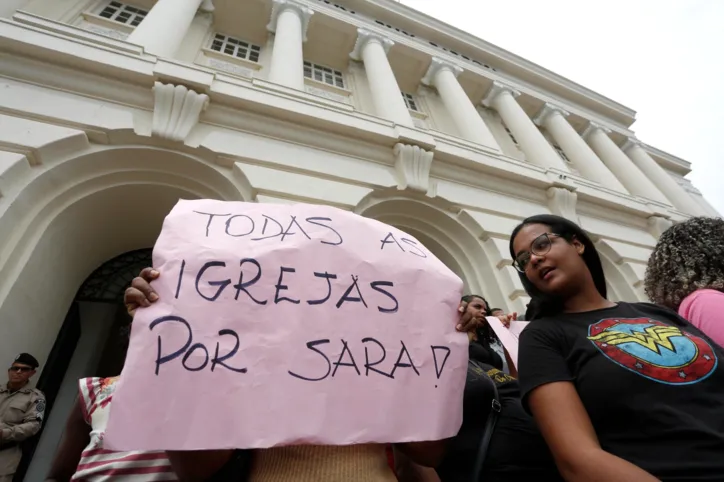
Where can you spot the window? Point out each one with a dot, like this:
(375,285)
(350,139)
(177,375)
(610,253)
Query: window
(410,102)
(323,74)
(236,48)
(512,137)
(561,153)
(121,13)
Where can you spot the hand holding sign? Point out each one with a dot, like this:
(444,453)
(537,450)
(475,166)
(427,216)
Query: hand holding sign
(290,324)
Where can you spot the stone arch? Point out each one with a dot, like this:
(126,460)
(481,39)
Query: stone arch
(79,211)
(437,227)
(622,281)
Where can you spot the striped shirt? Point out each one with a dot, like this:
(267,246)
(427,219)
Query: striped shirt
(100,465)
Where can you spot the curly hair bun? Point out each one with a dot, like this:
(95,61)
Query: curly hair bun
(688,257)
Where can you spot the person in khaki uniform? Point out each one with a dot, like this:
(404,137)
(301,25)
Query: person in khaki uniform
(21,413)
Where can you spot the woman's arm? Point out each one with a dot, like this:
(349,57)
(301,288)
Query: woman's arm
(427,454)
(409,471)
(198,465)
(75,439)
(567,429)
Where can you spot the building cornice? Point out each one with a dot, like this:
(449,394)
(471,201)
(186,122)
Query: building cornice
(66,58)
(626,115)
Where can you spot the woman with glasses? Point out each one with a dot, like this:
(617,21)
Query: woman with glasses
(620,391)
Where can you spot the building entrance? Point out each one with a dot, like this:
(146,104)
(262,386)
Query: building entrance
(91,343)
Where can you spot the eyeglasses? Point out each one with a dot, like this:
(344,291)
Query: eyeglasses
(540,246)
(19,369)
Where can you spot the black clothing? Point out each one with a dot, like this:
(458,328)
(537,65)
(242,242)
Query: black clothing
(517,451)
(651,383)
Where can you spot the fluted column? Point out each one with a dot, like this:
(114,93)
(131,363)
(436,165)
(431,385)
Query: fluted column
(443,76)
(620,165)
(535,147)
(553,119)
(666,184)
(372,49)
(289,22)
(165,26)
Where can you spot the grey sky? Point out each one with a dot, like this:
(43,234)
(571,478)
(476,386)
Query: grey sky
(662,58)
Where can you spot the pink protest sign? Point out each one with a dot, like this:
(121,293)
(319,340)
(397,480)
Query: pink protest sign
(508,336)
(290,324)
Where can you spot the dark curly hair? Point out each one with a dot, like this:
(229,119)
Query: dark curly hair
(688,257)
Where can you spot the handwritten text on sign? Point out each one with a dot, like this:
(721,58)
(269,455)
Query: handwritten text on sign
(283,324)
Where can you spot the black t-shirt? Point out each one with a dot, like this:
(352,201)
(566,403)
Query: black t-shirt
(517,451)
(652,384)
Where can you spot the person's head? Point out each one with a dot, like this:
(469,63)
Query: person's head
(477,306)
(556,260)
(21,370)
(688,257)
(497,311)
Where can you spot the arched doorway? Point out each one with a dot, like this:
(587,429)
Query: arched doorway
(70,241)
(92,343)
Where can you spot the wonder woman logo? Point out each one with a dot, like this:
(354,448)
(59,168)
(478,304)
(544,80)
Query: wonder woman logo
(652,349)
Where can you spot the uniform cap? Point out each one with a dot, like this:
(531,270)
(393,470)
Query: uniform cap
(27,359)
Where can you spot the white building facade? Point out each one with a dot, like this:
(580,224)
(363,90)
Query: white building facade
(111,111)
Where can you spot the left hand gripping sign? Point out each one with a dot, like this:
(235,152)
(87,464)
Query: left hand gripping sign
(290,324)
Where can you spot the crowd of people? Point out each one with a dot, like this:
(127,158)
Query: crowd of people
(601,391)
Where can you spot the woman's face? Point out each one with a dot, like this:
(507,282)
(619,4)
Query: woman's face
(477,308)
(554,266)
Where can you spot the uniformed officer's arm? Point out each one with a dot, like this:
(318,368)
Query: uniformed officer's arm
(30,425)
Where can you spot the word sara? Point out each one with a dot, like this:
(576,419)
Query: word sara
(375,354)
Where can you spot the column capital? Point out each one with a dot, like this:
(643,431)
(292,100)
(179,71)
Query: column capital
(495,90)
(304,13)
(631,142)
(593,126)
(547,111)
(207,6)
(436,66)
(364,37)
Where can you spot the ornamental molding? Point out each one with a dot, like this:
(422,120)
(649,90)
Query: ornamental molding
(207,6)
(412,167)
(547,111)
(364,37)
(658,224)
(592,127)
(630,143)
(436,66)
(302,11)
(176,111)
(562,201)
(495,90)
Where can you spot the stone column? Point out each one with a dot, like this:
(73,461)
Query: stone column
(165,26)
(289,21)
(536,148)
(372,49)
(553,119)
(443,76)
(620,165)
(668,186)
